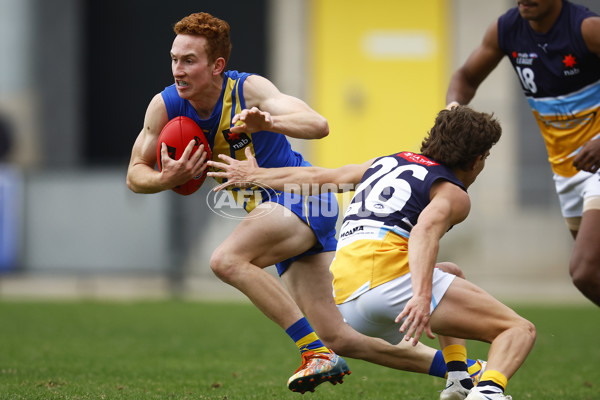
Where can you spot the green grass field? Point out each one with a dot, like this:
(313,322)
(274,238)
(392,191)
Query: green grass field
(193,350)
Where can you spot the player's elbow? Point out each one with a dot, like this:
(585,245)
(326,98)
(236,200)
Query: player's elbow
(322,128)
(131,185)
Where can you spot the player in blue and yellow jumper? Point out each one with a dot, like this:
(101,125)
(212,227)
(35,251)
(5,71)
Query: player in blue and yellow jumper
(240,111)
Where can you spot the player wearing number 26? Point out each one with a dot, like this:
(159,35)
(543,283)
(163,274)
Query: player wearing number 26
(384,269)
(554,47)
(241,115)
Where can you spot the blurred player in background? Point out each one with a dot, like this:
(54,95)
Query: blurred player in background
(554,47)
(238,112)
(384,268)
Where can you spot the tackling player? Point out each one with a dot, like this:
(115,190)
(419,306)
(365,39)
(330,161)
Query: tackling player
(244,114)
(384,269)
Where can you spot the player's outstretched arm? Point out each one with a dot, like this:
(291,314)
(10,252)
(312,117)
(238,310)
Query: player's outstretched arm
(449,205)
(269,109)
(243,173)
(479,65)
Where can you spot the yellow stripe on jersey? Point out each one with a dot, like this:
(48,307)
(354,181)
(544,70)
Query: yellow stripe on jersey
(221,146)
(231,96)
(365,264)
(565,136)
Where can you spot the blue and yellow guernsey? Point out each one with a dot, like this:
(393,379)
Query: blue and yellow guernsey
(560,77)
(269,148)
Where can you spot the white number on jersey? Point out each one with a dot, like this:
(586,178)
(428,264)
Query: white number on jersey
(527,76)
(379,200)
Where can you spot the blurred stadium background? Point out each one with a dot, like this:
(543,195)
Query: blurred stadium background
(76,77)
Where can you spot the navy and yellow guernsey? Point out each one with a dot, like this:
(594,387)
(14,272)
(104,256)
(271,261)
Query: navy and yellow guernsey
(270,149)
(560,77)
(386,205)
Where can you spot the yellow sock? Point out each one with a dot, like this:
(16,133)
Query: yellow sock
(313,343)
(455,352)
(490,376)
(456,364)
(305,337)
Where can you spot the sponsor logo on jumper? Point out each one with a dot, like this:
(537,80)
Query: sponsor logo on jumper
(524,58)
(237,141)
(570,69)
(352,231)
(568,122)
(419,159)
(543,47)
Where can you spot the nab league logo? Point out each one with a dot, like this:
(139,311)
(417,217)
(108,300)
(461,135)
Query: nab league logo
(524,58)
(237,141)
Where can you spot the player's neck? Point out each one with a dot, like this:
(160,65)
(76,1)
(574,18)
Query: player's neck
(205,103)
(545,23)
(466,177)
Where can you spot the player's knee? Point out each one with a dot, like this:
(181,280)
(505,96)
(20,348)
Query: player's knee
(524,330)
(223,265)
(529,329)
(450,268)
(517,327)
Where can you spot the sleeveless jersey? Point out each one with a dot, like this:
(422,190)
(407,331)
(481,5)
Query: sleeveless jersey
(560,77)
(269,148)
(386,205)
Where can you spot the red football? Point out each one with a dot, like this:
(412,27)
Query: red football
(177,133)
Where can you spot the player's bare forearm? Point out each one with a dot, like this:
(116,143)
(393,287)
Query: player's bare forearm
(143,179)
(302,125)
(141,175)
(459,90)
(305,180)
(302,180)
(449,206)
(477,67)
(423,247)
(269,109)
(305,124)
